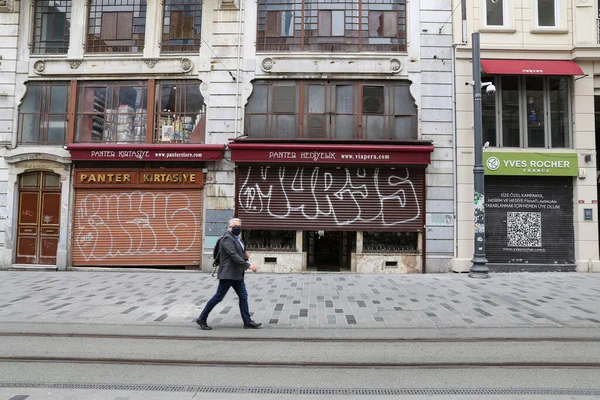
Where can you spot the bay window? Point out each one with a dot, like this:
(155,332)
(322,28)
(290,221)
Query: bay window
(323,25)
(528,111)
(43,113)
(331,110)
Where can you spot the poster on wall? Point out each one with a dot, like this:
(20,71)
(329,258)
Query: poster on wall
(529,220)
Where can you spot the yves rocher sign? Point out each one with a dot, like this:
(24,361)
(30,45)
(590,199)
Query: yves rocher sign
(146,152)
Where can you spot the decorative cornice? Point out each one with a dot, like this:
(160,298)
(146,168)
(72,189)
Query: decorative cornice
(12,159)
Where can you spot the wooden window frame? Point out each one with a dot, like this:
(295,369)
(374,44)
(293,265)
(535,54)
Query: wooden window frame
(308,30)
(42,8)
(108,117)
(44,113)
(180,112)
(188,45)
(330,89)
(97,42)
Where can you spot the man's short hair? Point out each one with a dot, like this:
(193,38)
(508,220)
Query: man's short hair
(232,220)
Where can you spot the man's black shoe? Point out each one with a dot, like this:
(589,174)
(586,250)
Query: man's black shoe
(252,325)
(203,325)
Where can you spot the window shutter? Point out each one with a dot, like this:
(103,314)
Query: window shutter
(284,99)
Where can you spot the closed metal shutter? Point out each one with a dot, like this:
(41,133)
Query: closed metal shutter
(529,220)
(137,228)
(330,198)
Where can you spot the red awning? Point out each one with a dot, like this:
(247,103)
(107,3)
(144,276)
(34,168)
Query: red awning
(146,152)
(531,67)
(331,153)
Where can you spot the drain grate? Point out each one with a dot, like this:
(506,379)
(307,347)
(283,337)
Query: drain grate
(309,391)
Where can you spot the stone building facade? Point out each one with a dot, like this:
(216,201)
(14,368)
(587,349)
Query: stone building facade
(125,115)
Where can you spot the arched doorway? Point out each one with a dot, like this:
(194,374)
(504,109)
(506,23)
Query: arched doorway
(38,225)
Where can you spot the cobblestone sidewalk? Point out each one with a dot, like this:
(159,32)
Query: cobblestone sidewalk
(305,300)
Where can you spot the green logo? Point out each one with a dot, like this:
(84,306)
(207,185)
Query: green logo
(530,164)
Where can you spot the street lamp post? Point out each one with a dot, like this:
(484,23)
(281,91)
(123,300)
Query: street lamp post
(479,268)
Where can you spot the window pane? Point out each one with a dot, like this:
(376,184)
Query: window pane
(324,23)
(284,99)
(30,128)
(546,13)
(510,112)
(375,127)
(316,126)
(495,12)
(488,107)
(59,99)
(559,109)
(30,180)
(338,23)
(52,21)
(390,24)
(386,242)
(343,100)
(257,125)
(51,180)
(181,26)
(286,126)
(257,103)
(373,99)
(287,23)
(116,26)
(345,127)
(403,102)
(316,99)
(57,129)
(535,111)
(375,24)
(32,100)
(403,128)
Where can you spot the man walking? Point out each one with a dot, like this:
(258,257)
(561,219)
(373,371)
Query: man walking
(233,262)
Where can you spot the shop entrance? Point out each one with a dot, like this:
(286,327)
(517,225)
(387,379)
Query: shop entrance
(38,224)
(329,250)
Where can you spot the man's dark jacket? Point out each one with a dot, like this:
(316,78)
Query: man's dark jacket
(231,258)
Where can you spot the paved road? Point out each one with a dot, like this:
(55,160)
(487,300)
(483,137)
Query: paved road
(313,306)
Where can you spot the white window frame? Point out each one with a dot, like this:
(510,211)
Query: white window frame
(504,15)
(556,15)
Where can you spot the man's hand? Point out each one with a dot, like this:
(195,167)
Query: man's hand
(253,268)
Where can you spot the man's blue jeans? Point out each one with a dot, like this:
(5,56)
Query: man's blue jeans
(224,285)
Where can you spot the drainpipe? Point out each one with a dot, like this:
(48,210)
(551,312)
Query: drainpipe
(455,148)
(238,106)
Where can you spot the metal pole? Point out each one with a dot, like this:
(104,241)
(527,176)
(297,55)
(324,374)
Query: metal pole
(479,268)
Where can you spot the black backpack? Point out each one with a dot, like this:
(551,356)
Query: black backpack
(216,255)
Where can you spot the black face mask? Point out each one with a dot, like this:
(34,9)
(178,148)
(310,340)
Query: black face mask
(236,230)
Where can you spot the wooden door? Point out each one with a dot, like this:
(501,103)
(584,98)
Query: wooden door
(39,218)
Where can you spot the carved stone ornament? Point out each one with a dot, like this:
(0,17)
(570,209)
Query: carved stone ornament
(228,4)
(39,66)
(151,62)
(267,64)
(75,63)
(395,65)
(186,65)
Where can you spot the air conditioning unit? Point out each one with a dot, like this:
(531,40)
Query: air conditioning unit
(373,100)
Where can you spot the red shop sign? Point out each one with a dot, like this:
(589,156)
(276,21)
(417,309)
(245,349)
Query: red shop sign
(146,152)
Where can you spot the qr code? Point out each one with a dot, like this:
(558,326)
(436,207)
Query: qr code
(524,229)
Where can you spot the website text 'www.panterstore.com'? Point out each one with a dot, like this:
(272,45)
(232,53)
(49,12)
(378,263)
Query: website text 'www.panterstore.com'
(365,156)
(178,155)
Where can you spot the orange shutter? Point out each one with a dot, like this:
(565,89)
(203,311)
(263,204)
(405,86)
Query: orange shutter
(137,227)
